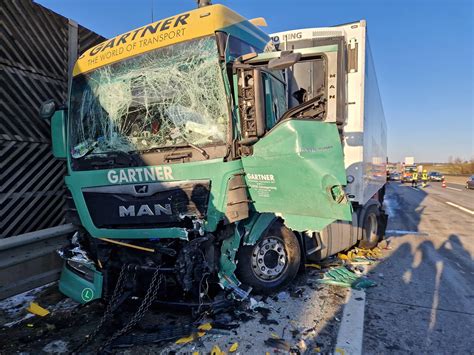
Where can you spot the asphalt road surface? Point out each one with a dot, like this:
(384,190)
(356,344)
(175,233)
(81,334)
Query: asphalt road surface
(425,299)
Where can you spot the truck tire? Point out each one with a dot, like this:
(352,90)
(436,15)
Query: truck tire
(272,263)
(372,229)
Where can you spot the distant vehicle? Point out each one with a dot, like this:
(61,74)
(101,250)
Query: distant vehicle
(435,176)
(470,182)
(395,177)
(409,160)
(407,173)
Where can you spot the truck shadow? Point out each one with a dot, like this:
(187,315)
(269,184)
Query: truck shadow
(403,204)
(423,300)
(421,294)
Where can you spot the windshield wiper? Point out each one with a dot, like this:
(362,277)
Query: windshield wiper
(186,145)
(112,157)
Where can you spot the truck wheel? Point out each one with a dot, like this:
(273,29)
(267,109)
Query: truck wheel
(372,229)
(272,263)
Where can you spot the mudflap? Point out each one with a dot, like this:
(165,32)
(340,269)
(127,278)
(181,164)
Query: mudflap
(384,223)
(297,172)
(82,286)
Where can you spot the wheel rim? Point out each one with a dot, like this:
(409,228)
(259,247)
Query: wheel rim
(269,259)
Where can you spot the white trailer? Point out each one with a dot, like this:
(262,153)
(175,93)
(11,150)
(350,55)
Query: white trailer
(359,111)
(347,78)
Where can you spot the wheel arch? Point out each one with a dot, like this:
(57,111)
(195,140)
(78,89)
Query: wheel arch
(257,227)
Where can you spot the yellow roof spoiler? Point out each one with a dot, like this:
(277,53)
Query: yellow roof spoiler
(179,28)
(258,21)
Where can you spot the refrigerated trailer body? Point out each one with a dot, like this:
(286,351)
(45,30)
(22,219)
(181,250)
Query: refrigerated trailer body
(357,106)
(346,77)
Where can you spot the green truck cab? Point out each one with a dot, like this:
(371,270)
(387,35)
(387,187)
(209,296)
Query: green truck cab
(185,159)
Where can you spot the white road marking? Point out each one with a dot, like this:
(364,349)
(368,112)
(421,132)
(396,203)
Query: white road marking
(435,304)
(351,330)
(460,207)
(415,188)
(402,232)
(453,188)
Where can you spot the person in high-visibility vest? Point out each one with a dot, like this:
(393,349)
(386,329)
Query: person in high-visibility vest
(414,179)
(424,178)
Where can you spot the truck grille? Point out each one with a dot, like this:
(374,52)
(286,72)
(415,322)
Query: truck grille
(154,205)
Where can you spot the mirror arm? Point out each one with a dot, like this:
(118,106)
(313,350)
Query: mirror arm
(47,109)
(248,141)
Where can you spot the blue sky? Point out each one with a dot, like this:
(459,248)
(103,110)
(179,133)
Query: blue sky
(423,53)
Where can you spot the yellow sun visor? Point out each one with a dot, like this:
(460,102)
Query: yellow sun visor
(259,21)
(183,27)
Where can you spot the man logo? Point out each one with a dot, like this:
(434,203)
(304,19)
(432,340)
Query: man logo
(141,189)
(145,210)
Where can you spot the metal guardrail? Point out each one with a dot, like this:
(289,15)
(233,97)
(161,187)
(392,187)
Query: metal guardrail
(30,260)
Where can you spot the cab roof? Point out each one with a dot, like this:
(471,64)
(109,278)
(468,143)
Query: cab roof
(179,28)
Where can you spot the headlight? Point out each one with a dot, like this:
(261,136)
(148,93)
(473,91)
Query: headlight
(81,269)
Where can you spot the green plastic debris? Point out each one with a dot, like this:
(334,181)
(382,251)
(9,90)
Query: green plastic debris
(340,276)
(363,283)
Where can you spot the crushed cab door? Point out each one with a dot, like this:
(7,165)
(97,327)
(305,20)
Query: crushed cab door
(296,170)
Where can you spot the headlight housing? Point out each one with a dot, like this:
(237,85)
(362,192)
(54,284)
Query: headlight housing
(81,269)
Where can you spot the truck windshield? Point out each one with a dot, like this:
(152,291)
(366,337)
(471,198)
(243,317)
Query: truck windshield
(168,97)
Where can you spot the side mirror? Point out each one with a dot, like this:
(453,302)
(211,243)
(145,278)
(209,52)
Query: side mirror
(47,109)
(286,60)
(58,134)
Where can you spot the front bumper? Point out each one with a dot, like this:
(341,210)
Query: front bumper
(78,286)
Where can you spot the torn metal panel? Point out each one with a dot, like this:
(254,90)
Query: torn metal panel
(256,227)
(167,97)
(306,223)
(227,263)
(75,251)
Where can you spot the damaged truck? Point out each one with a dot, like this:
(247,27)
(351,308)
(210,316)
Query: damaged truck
(204,154)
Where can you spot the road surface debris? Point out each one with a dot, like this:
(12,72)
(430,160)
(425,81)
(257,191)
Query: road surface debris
(300,318)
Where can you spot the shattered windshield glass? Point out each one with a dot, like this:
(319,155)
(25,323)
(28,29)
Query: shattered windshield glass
(168,97)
